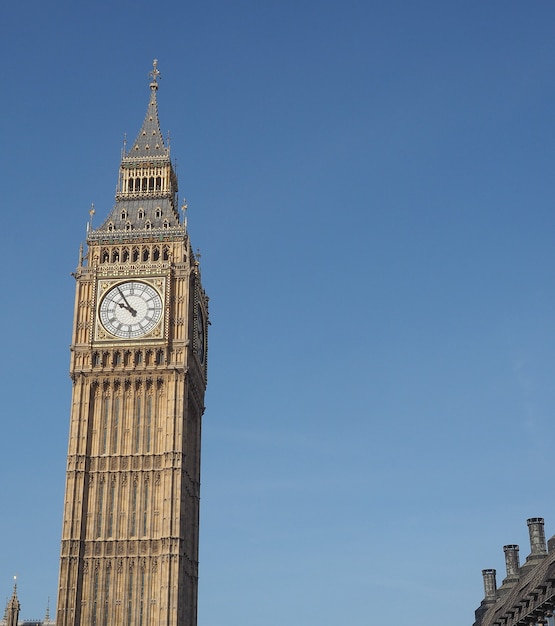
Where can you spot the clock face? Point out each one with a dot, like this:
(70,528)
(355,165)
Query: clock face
(200,335)
(130,310)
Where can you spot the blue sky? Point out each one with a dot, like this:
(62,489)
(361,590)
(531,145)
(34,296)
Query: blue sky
(371,188)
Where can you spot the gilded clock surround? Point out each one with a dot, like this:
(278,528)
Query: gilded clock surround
(106,286)
(129,553)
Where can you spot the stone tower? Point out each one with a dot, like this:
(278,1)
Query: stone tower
(129,553)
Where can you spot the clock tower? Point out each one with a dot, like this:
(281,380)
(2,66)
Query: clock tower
(129,553)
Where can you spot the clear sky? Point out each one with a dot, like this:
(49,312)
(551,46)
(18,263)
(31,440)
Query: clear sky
(371,187)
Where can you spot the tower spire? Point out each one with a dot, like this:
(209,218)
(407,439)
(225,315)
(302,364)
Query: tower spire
(13,607)
(47,616)
(146,194)
(150,142)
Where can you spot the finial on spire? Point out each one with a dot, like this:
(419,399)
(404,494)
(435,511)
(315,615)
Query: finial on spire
(184,212)
(154,74)
(91,213)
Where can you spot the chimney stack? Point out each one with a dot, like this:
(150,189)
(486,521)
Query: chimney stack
(537,536)
(538,549)
(490,585)
(512,563)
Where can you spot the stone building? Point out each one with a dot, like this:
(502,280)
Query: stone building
(138,364)
(526,597)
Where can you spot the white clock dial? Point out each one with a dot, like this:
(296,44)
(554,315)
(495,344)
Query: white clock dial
(130,310)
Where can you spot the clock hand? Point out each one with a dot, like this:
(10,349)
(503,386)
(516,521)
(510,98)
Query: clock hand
(124,298)
(128,308)
(126,305)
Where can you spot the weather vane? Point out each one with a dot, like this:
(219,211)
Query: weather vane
(155,72)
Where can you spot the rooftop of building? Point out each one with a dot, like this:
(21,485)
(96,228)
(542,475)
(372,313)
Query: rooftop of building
(527,593)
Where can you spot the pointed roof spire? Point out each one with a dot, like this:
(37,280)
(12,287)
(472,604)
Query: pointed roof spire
(47,616)
(150,142)
(146,194)
(14,594)
(13,607)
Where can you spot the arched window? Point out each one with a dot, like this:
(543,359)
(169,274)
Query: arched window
(134,504)
(151,183)
(128,226)
(105,256)
(141,214)
(166,253)
(117,358)
(148,225)
(158,183)
(135,255)
(124,214)
(125,255)
(96,359)
(146,254)
(111,516)
(160,357)
(110,226)
(145,493)
(156,253)
(115,255)
(158,212)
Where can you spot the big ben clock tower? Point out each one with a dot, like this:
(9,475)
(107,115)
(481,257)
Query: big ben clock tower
(129,554)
